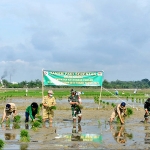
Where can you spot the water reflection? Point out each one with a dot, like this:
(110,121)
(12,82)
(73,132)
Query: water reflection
(119,133)
(10,136)
(76,133)
(147,135)
(23,146)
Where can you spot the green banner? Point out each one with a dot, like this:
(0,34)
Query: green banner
(61,78)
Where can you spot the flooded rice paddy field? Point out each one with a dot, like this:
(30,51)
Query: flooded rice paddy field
(94,132)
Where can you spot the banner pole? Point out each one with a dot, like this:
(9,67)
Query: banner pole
(42,85)
(100,95)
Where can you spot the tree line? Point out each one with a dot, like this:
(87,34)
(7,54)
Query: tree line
(118,84)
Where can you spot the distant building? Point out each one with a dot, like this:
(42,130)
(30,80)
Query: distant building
(14,82)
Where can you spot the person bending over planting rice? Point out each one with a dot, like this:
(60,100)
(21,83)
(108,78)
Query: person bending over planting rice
(147,109)
(48,103)
(120,111)
(9,110)
(31,111)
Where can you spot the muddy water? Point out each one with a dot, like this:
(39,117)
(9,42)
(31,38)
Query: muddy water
(94,132)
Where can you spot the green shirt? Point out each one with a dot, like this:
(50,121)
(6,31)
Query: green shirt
(29,110)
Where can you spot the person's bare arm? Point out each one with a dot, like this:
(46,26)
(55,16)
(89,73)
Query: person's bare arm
(118,111)
(4,116)
(74,103)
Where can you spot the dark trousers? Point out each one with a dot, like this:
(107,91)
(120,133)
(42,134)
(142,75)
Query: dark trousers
(27,116)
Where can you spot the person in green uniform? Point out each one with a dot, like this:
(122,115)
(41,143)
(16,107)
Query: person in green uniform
(75,100)
(31,111)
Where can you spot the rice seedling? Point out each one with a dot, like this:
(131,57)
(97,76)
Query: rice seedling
(36,124)
(129,112)
(8,122)
(24,136)
(113,105)
(17,118)
(41,105)
(107,103)
(2,143)
(99,123)
(53,107)
(39,119)
(16,126)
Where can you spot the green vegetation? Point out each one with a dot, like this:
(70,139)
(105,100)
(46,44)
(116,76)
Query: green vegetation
(16,126)
(53,107)
(17,118)
(2,143)
(24,136)
(129,112)
(39,119)
(89,92)
(8,122)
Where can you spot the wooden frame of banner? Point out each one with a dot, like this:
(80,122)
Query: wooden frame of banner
(100,95)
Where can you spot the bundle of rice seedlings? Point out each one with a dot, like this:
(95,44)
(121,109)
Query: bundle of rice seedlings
(2,143)
(53,107)
(129,112)
(36,124)
(24,136)
(8,122)
(41,105)
(113,105)
(16,126)
(17,118)
(39,119)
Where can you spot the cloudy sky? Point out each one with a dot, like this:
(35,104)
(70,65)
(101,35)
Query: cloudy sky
(75,35)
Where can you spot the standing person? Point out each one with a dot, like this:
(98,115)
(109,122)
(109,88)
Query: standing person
(75,100)
(147,109)
(119,111)
(47,102)
(31,111)
(10,109)
(116,92)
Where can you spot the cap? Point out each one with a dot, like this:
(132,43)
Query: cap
(34,105)
(7,106)
(50,92)
(123,104)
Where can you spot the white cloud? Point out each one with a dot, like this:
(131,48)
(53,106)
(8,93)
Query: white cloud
(75,36)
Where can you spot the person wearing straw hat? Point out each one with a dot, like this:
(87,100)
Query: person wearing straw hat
(120,111)
(10,109)
(47,102)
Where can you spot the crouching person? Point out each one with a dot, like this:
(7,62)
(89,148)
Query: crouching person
(147,109)
(120,111)
(10,109)
(31,111)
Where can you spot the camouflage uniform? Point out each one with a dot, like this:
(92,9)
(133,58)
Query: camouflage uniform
(75,108)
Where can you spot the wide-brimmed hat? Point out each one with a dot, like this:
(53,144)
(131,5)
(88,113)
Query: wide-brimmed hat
(7,106)
(50,92)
